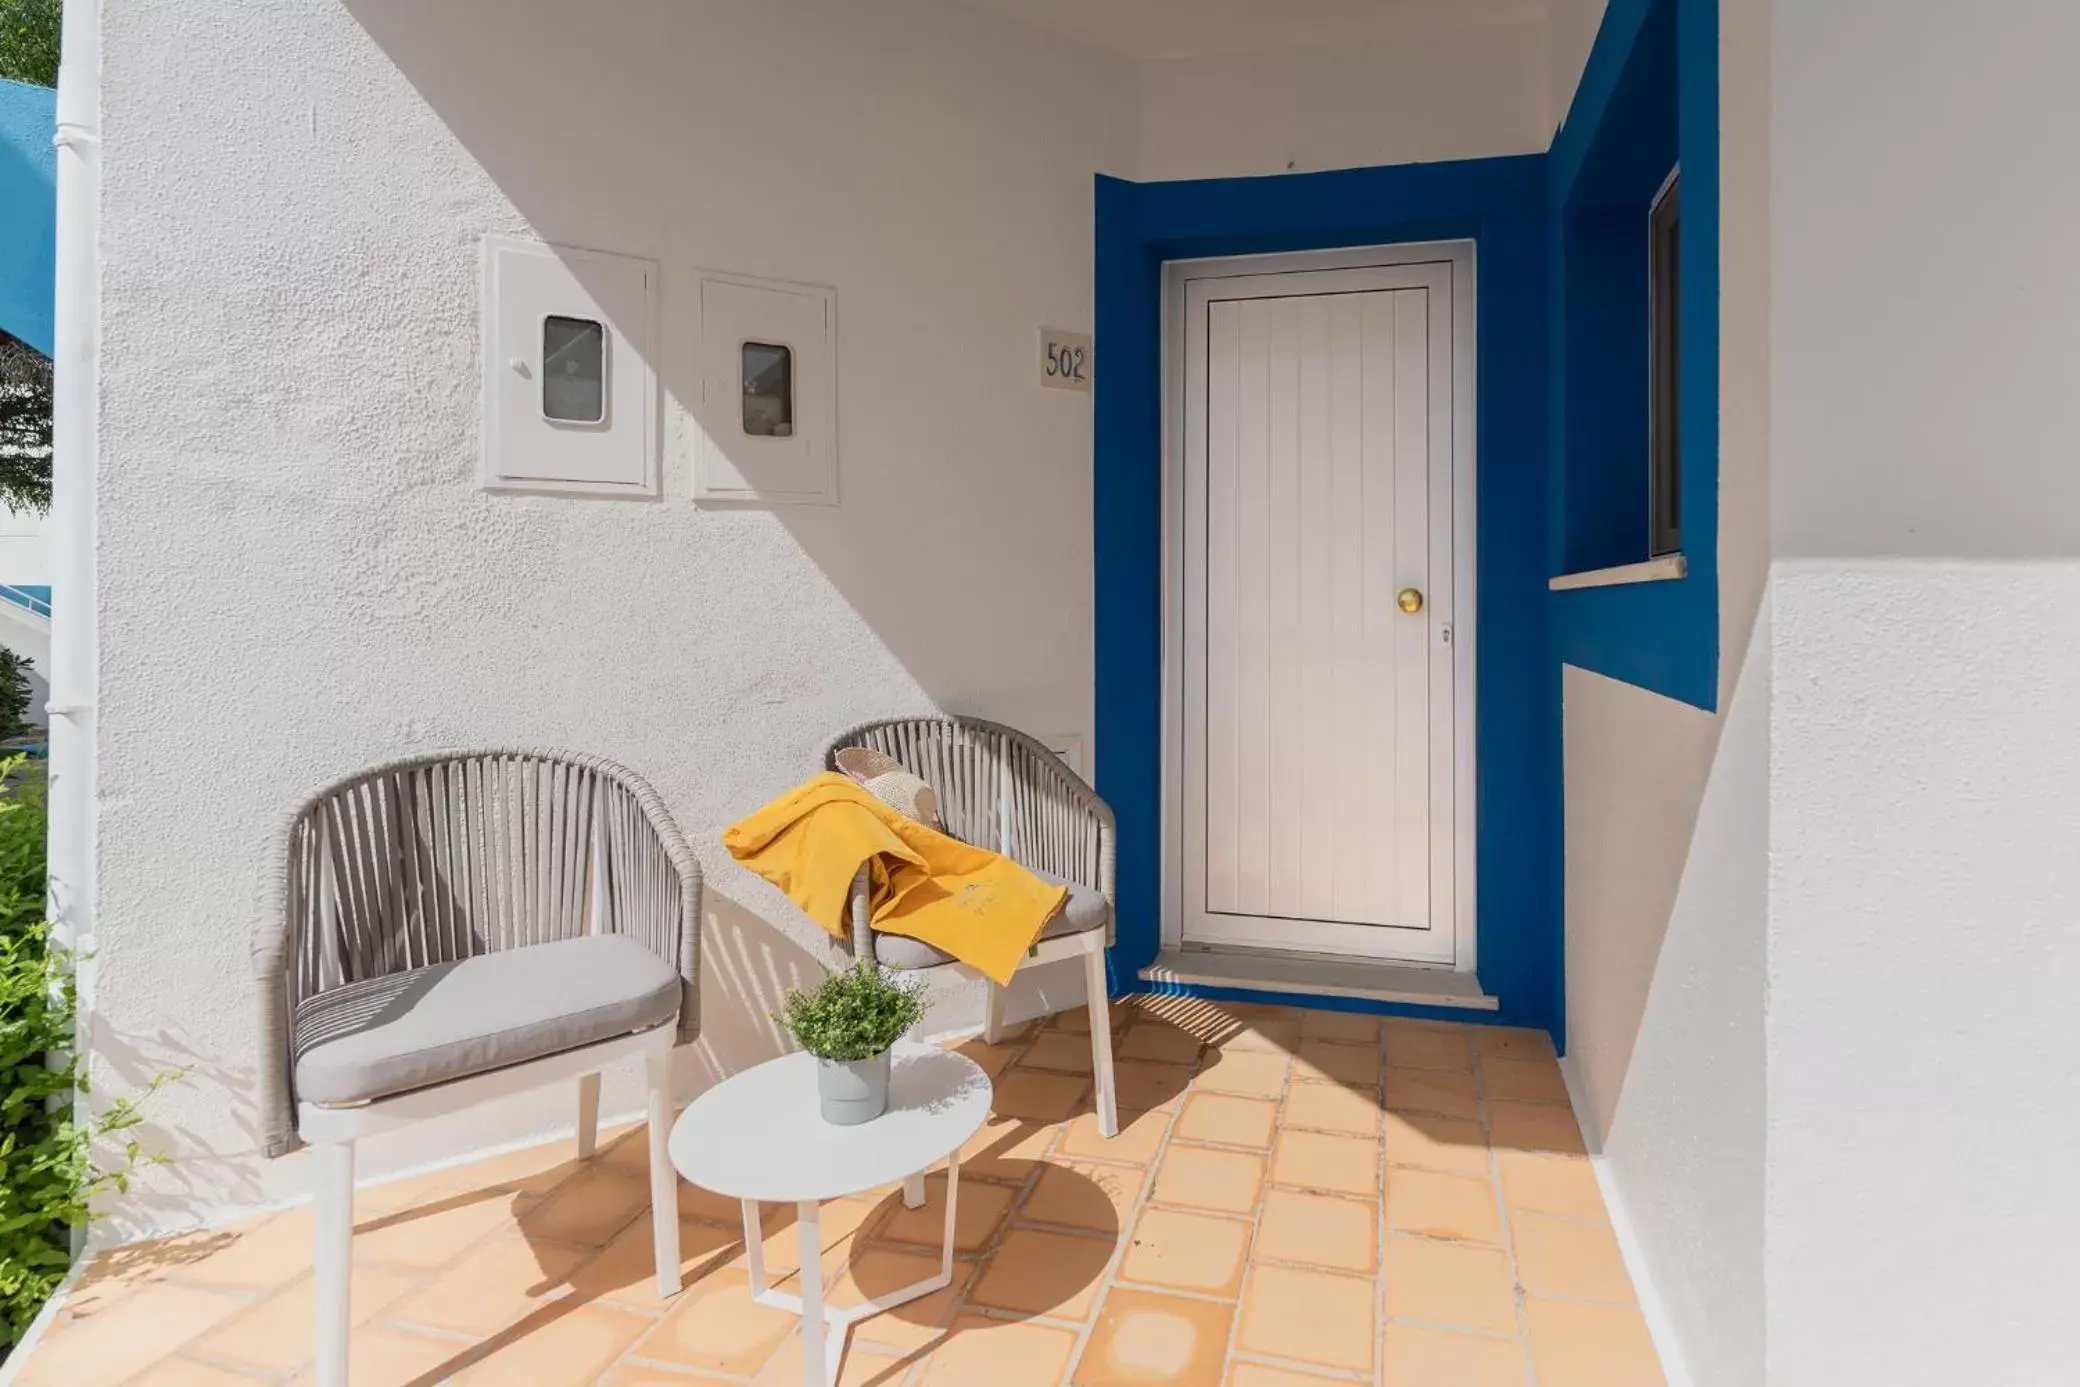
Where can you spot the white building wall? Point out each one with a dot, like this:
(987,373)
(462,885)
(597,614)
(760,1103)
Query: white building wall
(24,547)
(25,562)
(1666,820)
(1925,783)
(1445,92)
(300,575)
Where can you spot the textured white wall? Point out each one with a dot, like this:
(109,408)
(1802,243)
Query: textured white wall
(1456,92)
(1666,823)
(1924,1095)
(1918,140)
(1682,1140)
(1924,1086)
(1634,766)
(300,575)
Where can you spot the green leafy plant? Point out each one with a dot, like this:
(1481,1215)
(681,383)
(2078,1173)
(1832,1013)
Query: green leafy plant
(15,695)
(51,1154)
(26,401)
(855,1014)
(29,41)
(24,825)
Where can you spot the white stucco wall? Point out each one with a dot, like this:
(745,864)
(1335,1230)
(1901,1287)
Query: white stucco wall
(300,575)
(1440,92)
(1924,1094)
(1682,1137)
(1666,827)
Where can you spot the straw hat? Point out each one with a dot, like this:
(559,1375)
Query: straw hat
(891,782)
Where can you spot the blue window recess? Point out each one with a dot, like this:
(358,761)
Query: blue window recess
(1648,102)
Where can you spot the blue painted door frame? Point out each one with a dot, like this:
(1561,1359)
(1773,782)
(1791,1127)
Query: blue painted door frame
(1498,204)
(1556,299)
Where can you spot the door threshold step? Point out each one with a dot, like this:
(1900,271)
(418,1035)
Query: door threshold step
(1322,977)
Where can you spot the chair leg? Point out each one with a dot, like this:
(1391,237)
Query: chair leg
(1101,1039)
(992,1013)
(664,1180)
(588,1116)
(333,1269)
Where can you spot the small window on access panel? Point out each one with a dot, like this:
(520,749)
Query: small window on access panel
(768,390)
(574,370)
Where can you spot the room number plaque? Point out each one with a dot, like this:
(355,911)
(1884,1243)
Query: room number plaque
(1065,360)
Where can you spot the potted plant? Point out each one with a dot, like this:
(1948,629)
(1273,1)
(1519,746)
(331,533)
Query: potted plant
(849,1023)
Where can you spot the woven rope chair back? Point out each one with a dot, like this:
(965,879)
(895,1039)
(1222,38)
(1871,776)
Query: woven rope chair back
(1000,789)
(440,859)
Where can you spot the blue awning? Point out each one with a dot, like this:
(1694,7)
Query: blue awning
(28,212)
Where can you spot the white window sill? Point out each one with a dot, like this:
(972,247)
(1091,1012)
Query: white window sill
(1659,570)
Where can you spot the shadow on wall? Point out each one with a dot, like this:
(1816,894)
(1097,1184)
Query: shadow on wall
(962,545)
(963,537)
(747,968)
(181,1185)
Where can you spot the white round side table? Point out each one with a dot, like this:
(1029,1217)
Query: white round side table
(759,1137)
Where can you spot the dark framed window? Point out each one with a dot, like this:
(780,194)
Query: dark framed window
(1664,355)
(574,370)
(768,390)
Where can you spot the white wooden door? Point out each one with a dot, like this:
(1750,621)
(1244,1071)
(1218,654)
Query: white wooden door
(1318,737)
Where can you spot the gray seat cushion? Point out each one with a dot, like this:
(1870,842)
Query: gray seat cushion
(411,1030)
(1085,910)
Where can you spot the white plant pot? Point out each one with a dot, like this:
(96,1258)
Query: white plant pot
(852,1091)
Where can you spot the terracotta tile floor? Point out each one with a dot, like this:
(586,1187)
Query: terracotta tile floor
(1294,1198)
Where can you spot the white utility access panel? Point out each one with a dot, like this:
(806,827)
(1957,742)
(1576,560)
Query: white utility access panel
(766,426)
(570,397)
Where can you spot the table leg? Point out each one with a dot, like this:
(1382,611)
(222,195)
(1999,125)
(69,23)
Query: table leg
(755,1246)
(953,1190)
(814,1347)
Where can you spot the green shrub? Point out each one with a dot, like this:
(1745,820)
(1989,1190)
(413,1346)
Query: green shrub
(48,1173)
(854,1015)
(29,41)
(24,824)
(15,695)
(26,400)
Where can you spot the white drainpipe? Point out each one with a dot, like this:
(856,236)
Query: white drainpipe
(75,408)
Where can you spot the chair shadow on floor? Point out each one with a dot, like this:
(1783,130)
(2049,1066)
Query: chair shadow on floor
(868,1253)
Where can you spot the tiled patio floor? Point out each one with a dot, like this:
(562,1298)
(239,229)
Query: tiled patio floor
(1294,1199)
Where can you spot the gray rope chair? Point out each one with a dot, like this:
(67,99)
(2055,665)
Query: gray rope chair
(452,928)
(1000,788)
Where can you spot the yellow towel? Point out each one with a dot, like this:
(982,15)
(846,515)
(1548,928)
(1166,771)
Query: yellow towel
(977,905)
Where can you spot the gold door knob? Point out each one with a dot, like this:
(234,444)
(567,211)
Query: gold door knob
(1410,600)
